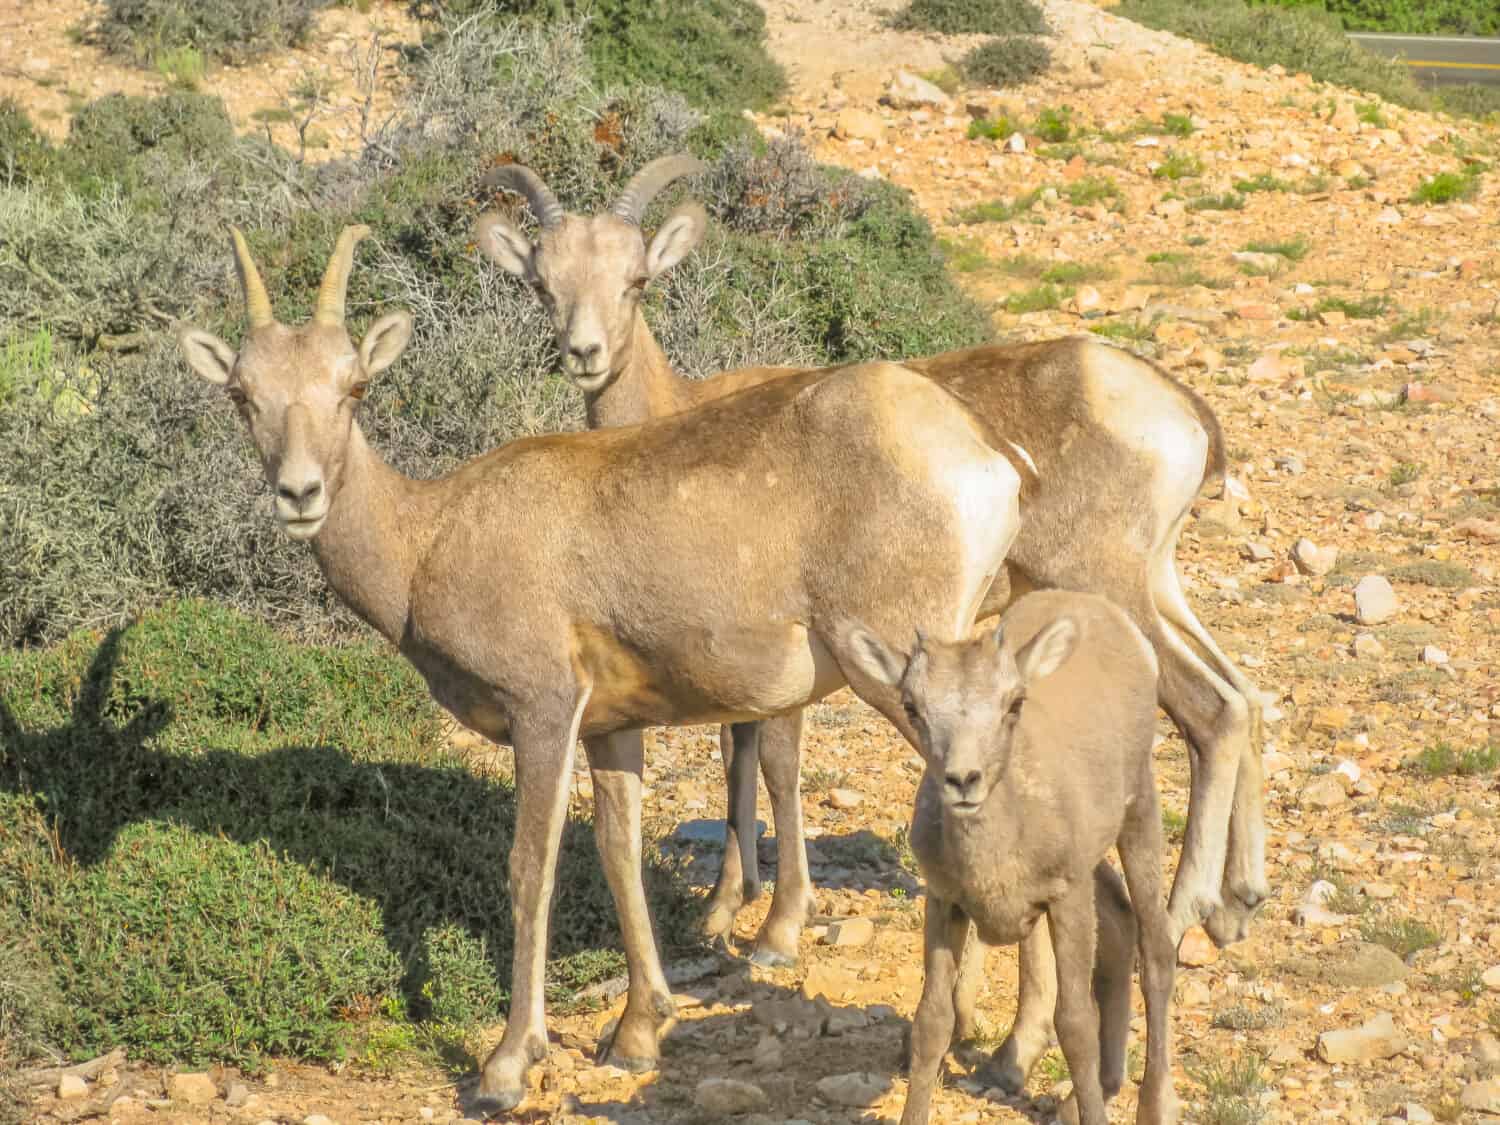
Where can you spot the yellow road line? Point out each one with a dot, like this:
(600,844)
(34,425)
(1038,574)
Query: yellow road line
(1452,65)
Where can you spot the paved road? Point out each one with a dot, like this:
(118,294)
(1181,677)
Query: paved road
(1439,58)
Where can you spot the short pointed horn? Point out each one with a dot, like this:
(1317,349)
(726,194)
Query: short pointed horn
(648,183)
(330,306)
(257,303)
(523,181)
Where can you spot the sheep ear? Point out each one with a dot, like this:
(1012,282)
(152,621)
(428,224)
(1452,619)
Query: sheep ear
(675,238)
(504,245)
(384,342)
(206,354)
(1046,652)
(874,658)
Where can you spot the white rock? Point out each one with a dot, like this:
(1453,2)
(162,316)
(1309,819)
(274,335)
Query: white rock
(1374,600)
(1348,769)
(1015,143)
(859,1088)
(1376,1039)
(907,91)
(1312,559)
(1491,978)
(845,798)
(71,1087)
(1431,654)
(728,1096)
(1368,646)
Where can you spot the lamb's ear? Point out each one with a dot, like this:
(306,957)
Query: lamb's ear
(1046,652)
(384,342)
(675,238)
(874,658)
(504,245)
(206,354)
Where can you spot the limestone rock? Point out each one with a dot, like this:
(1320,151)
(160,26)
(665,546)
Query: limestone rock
(845,798)
(850,932)
(728,1096)
(1367,646)
(1324,792)
(193,1089)
(70,1087)
(859,1088)
(1312,559)
(907,91)
(1376,1039)
(1196,949)
(858,125)
(1374,600)
(1482,1097)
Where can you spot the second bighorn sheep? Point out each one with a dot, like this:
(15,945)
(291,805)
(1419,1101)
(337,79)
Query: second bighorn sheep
(1037,738)
(1121,451)
(589,585)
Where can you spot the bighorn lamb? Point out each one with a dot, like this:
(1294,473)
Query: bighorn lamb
(592,584)
(1037,738)
(1120,450)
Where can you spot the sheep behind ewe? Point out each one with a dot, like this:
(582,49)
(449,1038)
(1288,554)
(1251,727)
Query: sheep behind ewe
(1037,737)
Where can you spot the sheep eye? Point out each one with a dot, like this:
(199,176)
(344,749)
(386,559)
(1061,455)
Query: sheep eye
(237,396)
(911,710)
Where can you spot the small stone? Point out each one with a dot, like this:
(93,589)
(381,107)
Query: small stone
(194,1089)
(1196,949)
(1368,646)
(1331,720)
(317,1119)
(858,124)
(844,1020)
(1389,216)
(237,1095)
(1378,890)
(1374,600)
(1480,530)
(1324,792)
(1426,392)
(768,1054)
(1086,299)
(845,798)
(1483,1097)
(1431,654)
(1258,552)
(1376,1039)
(1255,312)
(1418,1114)
(1491,978)
(1312,559)
(1015,143)
(850,932)
(729,1096)
(71,1087)
(907,91)
(858,1089)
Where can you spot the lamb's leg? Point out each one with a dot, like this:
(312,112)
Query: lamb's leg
(932,1028)
(792,901)
(1114,963)
(1141,848)
(739,874)
(616,761)
(1245,887)
(1032,1030)
(966,988)
(544,748)
(1072,918)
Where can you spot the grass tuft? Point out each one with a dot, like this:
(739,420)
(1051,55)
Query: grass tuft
(1445,187)
(1402,936)
(1225,201)
(1179,166)
(1231,1090)
(1006,61)
(1442,759)
(972,17)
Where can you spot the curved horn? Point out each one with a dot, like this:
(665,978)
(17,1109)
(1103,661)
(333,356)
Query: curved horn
(330,306)
(257,303)
(648,183)
(523,181)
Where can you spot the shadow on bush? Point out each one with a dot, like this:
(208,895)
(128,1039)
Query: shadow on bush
(229,845)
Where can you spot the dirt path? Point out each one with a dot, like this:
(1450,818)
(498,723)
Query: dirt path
(1354,375)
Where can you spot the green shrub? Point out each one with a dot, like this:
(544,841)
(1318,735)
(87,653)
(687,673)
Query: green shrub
(972,17)
(1179,166)
(1408,17)
(1054,124)
(229,845)
(1292,249)
(1445,187)
(1009,61)
(992,129)
(1263,182)
(232,30)
(1178,125)
(1224,201)
(1300,40)
(25,155)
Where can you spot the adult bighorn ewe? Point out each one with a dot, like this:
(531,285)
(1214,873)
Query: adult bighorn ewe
(593,584)
(1037,738)
(1120,449)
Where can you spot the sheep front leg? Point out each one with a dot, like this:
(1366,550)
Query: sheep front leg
(1073,942)
(616,761)
(792,901)
(1031,1030)
(932,1028)
(544,748)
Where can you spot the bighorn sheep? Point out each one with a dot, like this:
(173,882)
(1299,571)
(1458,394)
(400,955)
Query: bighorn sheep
(1120,449)
(592,584)
(1037,738)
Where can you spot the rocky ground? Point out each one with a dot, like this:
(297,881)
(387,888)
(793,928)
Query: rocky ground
(1350,354)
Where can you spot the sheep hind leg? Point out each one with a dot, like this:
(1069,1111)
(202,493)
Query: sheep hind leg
(739,873)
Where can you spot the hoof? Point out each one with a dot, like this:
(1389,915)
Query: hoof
(1004,1070)
(770,959)
(493,1105)
(632,1063)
